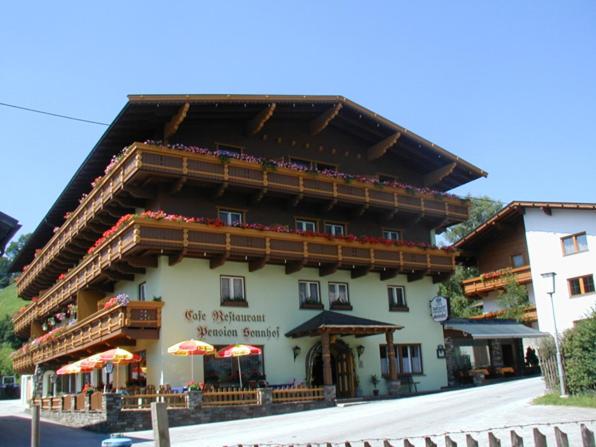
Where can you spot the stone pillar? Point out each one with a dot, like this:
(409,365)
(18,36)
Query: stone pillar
(264,397)
(329,393)
(450,361)
(195,400)
(327,373)
(393,387)
(496,354)
(112,405)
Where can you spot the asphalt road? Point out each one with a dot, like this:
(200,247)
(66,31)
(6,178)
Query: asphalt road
(473,409)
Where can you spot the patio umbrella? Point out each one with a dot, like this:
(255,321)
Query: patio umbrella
(116,356)
(190,348)
(73,368)
(238,351)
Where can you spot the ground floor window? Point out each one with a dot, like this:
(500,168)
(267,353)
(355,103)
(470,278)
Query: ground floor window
(407,356)
(136,372)
(224,372)
(472,356)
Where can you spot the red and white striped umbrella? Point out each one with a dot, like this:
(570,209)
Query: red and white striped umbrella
(238,351)
(190,348)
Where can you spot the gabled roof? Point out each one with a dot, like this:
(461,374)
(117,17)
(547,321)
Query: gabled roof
(8,227)
(336,323)
(143,115)
(512,211)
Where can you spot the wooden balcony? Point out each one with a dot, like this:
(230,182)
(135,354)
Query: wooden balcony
(143,162)
(21,322)
(137,320)
(488,282)
(141,240)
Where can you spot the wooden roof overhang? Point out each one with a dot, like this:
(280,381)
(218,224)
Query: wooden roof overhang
(159,116)
(510,214)
(334,323)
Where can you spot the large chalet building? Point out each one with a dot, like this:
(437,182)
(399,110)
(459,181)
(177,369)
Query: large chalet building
(301,224)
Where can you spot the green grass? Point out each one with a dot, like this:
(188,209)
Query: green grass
(9,301)
(582,400)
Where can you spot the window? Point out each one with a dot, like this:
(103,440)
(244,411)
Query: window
(517,260)
(312,165)
(581,285)
(142,291)
(306,225)
(397,298)
(338,295)
(392,235)
(232,290)
(234,150)
(387,178)
(230,217)
(335,229)
(309,294)
(222,372)
(576,243)
(408,358)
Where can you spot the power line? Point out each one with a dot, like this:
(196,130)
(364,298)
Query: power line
(57,115)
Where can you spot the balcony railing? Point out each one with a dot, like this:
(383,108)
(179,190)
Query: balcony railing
(142,236)
(137,320)
(21,321)
(487,282)
(143,161)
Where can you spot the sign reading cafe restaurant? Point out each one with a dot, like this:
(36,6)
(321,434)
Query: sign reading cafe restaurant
(221,317)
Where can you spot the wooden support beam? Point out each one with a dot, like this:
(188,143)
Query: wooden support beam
(360,271)
(257,264)
(294,202)
(176,258)
(330,205)
(127,269)
(547,210)
(359,211)
(295,266)
(319,124)
(171,127)
(117,276)
(255,125)
(379,149)
(142,261)
(388,274)
(102,287)
(436,176)
(415,276)
(258,197)
(178,184)
(391,214)
(129,202)
(218,261)
(140,193)
(328,269)
(220,190)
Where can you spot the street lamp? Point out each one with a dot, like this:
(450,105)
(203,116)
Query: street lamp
(549,282)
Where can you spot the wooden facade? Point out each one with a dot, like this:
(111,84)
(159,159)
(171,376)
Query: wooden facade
(75,263)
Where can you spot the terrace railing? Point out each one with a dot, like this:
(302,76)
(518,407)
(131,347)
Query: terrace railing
(143,160)
(297,394)
(226,397)
(488,282)
(142,235)
(101,326)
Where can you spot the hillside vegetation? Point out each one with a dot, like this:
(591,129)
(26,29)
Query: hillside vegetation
(9,304)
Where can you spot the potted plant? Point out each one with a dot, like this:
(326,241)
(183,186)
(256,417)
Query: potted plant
(375,381)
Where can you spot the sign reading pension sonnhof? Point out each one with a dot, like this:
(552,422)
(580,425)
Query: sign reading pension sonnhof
(222,317)
(439,308)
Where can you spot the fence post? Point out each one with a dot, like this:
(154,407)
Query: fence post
(561,438)
(159,421)
(516,440)
(471,442)
(493,441)
(587,436)
(539,439)
(35,426)
(449,442)
(429,443)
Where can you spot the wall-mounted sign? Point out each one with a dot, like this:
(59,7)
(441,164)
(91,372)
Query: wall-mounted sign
(439,308)
(221,319)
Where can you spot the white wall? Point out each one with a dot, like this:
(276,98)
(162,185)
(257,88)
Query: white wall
(192,285)
(543,235)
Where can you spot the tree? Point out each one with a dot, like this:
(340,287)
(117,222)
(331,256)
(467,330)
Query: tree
(460,305)
(481,209)
(513,299)
(12,251)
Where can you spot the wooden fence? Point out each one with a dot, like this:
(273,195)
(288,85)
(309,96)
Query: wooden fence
(536,439)
(229,396)
(297,394)
(143,401)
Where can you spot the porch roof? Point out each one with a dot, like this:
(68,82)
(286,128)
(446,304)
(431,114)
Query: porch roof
(487,329)
(341,324)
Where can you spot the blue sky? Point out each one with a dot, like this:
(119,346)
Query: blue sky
(510,86)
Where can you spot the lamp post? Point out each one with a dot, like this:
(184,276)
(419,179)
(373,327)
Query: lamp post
(549,282)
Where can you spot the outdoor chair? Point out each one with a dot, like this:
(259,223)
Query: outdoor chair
(408,380)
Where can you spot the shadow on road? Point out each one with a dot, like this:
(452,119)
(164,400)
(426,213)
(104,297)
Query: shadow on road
(15,432)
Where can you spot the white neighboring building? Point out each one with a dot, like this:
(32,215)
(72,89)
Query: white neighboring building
(527,239)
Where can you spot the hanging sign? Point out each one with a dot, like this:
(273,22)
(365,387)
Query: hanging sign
(439,308)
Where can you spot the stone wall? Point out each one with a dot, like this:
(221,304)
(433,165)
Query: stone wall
(114,419)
